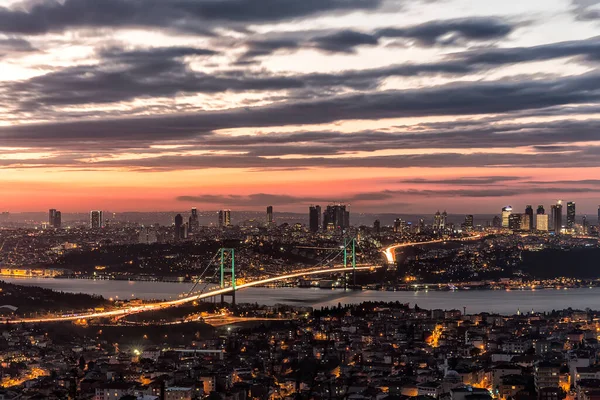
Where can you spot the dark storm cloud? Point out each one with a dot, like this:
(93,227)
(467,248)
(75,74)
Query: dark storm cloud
(444,32)
(343,41)
(198,16)
(452,31)
(588,49)
(141,56)
(456,99)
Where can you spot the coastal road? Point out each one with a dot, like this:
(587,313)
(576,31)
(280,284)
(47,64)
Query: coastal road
(390,252)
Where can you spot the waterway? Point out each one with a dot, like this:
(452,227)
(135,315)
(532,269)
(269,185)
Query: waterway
(497,301)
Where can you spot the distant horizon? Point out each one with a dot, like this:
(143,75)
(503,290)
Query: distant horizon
(276,211)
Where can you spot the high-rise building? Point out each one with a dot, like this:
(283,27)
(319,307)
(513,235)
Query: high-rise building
(96,221)
(421,227)
(57,219)
(51,216)
(398,225)
(336,217)
(497,222)
(178,227)
(377,226)
(54,218)
(440,221)
(314,218)
(556,217)
(437,221)
(525,221)
(224,218)
(570,215)
(506,212)
(194,222)
(269,215)
(585,225)
(468,225)
(514,222)
(541,222)
(529,213)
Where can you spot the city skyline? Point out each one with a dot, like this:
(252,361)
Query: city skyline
(387,105)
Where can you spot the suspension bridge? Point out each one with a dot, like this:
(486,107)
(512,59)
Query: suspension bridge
(228,284)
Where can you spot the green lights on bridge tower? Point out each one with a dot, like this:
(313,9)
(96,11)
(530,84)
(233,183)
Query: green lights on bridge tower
(227,268)
(346,245)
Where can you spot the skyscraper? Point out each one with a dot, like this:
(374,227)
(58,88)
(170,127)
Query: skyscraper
(314,218)
(468,222)
(556,217)
(194,223)
(178,227)
(57,219)
(51,216)
(96,221)
(398,225)
(541,222)
(336,217)
(440,221)
(529,213)
(224,218)
(497,222)
(506,212)
(269,215)
(437,221)
(377,226)
(514,222)
(525,221)
(570,215)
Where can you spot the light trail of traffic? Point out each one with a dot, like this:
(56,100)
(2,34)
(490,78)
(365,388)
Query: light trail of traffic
(390,253)
(188,299)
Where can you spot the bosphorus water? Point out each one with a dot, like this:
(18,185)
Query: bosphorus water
(495,301)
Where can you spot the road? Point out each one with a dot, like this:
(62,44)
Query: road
(183,300)
(390,252)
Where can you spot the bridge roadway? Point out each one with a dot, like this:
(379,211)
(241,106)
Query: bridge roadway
(183,300)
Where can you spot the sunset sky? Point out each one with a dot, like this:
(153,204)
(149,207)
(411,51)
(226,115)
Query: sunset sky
(389,105)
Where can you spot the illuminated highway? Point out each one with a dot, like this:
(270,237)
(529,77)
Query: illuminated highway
(390,252)
(183,300)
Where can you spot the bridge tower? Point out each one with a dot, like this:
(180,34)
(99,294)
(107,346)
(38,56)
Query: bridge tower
(353,247)
(227,268)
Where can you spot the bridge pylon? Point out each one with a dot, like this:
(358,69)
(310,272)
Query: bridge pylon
(353,247)
(225,269)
